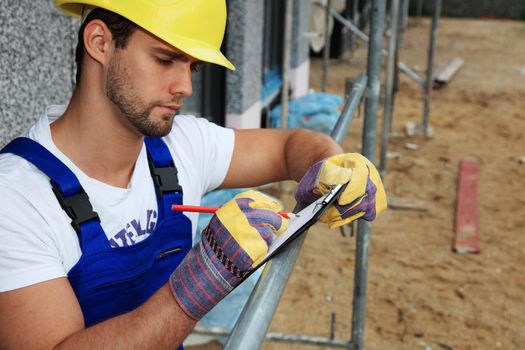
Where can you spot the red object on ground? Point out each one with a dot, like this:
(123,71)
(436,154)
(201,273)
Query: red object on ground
(467,219)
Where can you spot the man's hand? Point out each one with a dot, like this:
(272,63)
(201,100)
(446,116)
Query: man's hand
(233,243)
(364,197)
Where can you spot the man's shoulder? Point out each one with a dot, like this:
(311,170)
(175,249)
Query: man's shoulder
(189,126)
(184,121)
(191,131)
(19,175)
(11,164)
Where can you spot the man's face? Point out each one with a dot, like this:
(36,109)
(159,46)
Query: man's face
(147,81)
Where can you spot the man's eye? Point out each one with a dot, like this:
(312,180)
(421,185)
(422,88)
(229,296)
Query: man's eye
(164,62)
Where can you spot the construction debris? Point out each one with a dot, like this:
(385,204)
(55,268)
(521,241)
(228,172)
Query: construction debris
(420,161)
(393,155)
(411,146)
(405,203)
(397,135)
(412,129)
(448,73)
(522,160)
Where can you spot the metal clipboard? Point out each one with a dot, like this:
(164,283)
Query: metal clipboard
(299,224)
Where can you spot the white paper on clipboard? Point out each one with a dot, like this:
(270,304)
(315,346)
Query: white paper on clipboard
(304,219)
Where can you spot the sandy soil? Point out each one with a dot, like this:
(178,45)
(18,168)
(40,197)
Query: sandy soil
(421,293)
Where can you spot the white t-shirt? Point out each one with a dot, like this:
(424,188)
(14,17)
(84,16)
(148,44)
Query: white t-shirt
(37,242)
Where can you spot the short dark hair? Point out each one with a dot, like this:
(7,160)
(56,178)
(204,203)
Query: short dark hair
(120,27)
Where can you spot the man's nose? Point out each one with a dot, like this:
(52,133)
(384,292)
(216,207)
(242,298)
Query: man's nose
(181,81)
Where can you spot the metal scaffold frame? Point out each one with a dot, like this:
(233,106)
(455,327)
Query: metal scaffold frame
(388,108)
(251,328)
(361,35)
(395,17)
(398,13)
(430,65)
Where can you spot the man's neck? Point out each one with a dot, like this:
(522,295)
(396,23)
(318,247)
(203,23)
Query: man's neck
(97,139)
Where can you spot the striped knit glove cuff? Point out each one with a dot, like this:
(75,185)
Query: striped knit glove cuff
(233,243)
(198,284)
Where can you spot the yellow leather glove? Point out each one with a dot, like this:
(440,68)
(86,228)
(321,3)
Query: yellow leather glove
(364,197)
(252,220)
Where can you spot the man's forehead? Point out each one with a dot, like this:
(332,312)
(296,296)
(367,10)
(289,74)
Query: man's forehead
(160,46)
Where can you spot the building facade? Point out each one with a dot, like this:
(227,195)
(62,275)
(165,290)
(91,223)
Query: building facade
(37,63)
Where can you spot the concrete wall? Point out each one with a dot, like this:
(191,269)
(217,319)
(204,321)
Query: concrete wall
(300,60)
(244,49)
(245,41)
(513,9)
(36,56)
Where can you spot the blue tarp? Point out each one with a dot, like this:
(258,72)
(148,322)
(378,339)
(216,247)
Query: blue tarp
(272,82)
(315,111)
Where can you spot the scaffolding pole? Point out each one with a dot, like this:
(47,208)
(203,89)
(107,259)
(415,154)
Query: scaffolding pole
(326,51)
(430,67)
(403,21)
(352,27)
(282,337)
(353,100)
(355,18)
(419,10)
(389,93)
(286,62)
(377,19)
(251,326)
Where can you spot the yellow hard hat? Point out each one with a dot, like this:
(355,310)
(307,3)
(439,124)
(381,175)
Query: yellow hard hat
(195,27)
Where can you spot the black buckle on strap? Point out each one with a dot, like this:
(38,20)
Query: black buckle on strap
(165,179)
(77,207)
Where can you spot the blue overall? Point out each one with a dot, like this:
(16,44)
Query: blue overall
(110,281)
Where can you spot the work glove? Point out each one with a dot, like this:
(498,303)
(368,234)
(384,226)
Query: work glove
(234,243)
(364,196)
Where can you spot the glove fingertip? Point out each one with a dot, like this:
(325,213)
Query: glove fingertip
(284,226)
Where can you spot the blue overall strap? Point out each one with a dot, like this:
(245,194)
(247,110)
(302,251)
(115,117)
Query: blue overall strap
(66,187)
(164,174)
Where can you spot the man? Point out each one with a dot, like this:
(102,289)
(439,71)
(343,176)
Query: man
(91,255)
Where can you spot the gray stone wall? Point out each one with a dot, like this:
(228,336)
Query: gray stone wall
(513,9)
(244,50)
(36,62)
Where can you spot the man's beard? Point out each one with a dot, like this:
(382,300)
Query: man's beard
(133,108)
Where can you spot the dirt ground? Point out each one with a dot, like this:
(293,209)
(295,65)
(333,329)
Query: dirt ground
(422,295)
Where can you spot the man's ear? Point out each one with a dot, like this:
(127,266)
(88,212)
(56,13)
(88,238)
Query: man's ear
(98,41)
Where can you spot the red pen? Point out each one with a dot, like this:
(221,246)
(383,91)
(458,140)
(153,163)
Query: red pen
(211,210)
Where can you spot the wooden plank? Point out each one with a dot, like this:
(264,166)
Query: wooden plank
(467,220)
(448,72)
(405,203)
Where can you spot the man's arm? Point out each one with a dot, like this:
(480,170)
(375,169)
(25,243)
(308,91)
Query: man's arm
(47,316)
(261,156)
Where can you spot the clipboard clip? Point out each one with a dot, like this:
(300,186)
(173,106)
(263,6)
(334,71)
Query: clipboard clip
(332,195)
(336,191)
